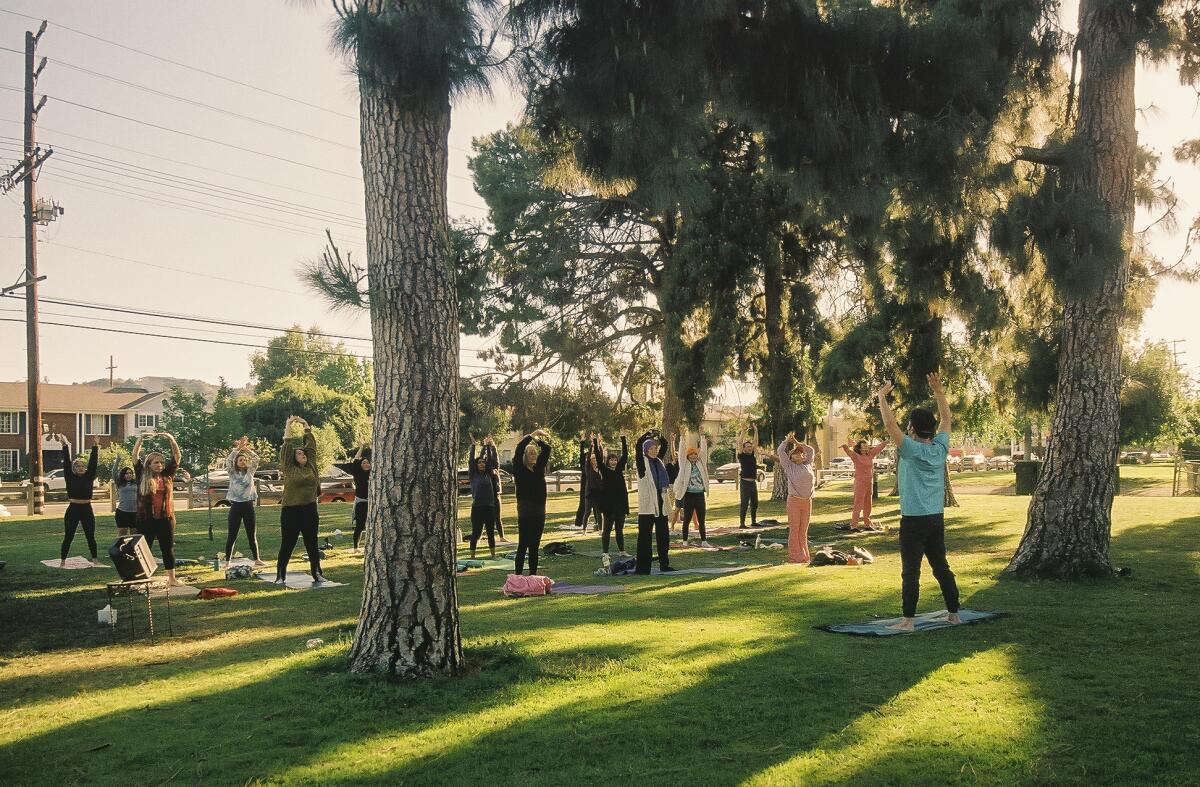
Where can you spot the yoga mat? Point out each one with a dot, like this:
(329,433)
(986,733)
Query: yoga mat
(298,581)
(72,564)
(703,570)
(929,621)
(508,565)
(585,590)
(179,591)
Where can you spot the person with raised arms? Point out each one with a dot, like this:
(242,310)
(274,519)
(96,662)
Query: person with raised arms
(863,459)
(922,482)
(529,476)
(795,458)
(298,515)
(156,499)
(242,496)
(359,468)
(655,496)
(747,453)
(616,496)
(483,495)
(691,485)
(80,476)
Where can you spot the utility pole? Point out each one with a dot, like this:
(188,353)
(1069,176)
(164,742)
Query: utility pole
(111,368)
(34,421)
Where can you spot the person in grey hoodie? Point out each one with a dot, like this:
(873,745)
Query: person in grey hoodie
(126,492)
(242,495)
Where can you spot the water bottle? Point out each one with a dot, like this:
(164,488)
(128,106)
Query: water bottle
(758,541)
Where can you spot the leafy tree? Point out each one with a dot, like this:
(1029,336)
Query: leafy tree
(1153,405)
(105,458)
(187,418)
(265,414)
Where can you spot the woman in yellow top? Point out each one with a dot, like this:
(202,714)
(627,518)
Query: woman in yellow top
(301,485)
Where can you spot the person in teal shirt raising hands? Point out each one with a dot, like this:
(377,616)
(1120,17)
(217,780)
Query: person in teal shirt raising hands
(922,480)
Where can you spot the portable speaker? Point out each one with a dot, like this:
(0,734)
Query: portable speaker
(132,558)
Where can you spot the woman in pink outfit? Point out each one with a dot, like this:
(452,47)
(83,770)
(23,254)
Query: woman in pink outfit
(864,477)
(796,460)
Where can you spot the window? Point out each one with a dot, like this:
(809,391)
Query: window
(10,460)
(147,421)
(9,423)
(96,425)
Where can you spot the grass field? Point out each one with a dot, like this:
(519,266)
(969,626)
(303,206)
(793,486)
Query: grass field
(680,680)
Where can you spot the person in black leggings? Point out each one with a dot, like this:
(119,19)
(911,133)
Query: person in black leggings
(748,452)
(156,499)
(581,513)
(616,496)
(242,495)
(360,468)
(595,484)
(80,475)
(483,497)
(298,515)
(529,475)
(654,497)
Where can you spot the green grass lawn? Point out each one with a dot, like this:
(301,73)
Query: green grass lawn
(681,680)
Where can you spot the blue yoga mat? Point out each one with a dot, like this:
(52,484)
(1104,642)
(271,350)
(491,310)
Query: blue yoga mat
(927,622)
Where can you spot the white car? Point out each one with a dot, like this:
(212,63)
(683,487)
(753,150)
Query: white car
(955,462)
(55,482)
(884,464)
(974,462)
(840,466)
(1000,462)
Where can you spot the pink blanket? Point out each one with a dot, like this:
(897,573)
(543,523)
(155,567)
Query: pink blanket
(522,585)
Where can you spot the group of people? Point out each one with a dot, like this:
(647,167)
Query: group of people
(670,484)
(144,497)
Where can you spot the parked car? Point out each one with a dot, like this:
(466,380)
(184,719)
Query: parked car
(1159,456)
(954,462)
(54,481)
(506,481)
(1135,458)
(183,480)
(1000,462)
(974,462)
(884,464)
(733,472)
(568,480)
(337,490)
(840,467)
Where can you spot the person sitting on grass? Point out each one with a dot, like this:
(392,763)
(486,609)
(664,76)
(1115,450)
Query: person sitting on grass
(922,482)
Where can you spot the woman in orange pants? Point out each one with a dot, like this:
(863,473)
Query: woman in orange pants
(864,478)
(796,460)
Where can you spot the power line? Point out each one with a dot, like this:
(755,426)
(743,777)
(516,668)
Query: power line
(197,69)
(169,269)
(190,135)
(186,164)
(117,309)
(159,177)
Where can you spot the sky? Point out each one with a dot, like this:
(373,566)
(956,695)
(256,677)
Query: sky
(196,211)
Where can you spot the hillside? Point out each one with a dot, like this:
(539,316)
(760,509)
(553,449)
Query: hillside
(208,390)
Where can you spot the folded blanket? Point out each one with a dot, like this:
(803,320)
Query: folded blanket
(523,585)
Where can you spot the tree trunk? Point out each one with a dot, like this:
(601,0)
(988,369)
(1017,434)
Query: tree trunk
(776,370)
(950,501)
(408,625)
(1068,530)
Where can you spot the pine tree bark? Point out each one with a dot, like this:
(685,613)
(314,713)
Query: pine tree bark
(1069,526)
(776,370)
(408,625)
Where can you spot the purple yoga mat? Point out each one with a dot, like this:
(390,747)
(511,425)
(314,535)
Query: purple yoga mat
(585,590)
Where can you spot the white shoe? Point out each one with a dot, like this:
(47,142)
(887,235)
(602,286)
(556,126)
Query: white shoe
(624,554)
(706,545)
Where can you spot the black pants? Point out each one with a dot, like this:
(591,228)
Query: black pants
(531,522)
(78,514)
(925,536)
(296,521)
(614,519)
(693,502)
(749,495)
(164,531)
(651,527)
(239,513)
(595,508)
(360,520)
(581,513)
(499,524)
(126,520)
(483,516)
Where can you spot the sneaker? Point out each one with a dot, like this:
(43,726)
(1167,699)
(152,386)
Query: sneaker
(623,553)
(705,545)
(318,580)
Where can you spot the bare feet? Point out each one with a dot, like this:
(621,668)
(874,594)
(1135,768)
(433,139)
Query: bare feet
(905,624)
(97,564)
(954,618)
(259,563)
(62,563)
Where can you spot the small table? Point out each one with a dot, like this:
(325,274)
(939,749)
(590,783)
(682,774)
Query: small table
(139,587)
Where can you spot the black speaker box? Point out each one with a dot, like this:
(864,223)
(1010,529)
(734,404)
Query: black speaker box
(132,558)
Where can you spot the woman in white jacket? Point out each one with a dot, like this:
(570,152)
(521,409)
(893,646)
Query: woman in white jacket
(655,498)
(691,485)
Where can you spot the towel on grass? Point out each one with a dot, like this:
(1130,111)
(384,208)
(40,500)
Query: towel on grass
(926,622)
(299,581)
(527,585)
(587,590)
(73,563)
